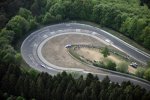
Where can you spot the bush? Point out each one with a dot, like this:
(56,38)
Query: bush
(98,64)
(111,65)
(122,67)
(147,74)
(105,52)
(140,72)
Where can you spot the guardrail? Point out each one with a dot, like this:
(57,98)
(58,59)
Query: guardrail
(126,75)
(110,71)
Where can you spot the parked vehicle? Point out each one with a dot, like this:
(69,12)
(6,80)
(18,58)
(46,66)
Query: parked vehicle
(134,64)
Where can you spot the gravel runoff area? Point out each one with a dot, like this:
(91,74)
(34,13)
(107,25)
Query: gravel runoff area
(54,50)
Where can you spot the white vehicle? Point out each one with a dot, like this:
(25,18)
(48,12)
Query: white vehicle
(43,66)
(68,46)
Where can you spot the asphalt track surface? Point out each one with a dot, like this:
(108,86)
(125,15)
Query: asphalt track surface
(29,49)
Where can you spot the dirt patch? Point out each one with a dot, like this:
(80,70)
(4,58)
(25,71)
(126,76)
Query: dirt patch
(91,54)
(54,50)
(115,59)
(131,69)
(94,54)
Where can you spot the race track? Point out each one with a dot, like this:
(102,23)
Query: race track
(29,49)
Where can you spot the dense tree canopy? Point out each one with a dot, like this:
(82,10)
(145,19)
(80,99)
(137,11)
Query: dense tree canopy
(18,17)
(15,84)
(124,16)
(19,25)
(9,8)
(147,2)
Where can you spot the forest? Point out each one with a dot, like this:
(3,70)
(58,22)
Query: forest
(16,85)
(147,2)
(20,17)
(129,17)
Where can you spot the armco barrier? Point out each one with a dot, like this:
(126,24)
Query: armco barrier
(110,71)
